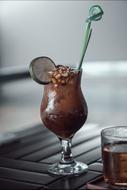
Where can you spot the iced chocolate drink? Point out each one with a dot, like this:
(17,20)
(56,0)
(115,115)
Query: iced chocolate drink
(63,107)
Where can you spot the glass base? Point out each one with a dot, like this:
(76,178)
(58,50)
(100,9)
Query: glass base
(75,168)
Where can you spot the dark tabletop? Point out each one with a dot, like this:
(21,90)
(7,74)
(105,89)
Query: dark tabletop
(25,161)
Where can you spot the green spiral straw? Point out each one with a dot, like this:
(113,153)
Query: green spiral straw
(95,14)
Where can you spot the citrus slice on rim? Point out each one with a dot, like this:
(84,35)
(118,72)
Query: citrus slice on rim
(39,68)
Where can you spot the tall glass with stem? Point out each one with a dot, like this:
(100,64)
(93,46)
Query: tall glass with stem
(64,111)
(63,107)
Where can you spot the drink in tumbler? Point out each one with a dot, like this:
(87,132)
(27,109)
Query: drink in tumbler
(114,153)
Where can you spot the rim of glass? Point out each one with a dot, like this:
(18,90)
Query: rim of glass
(103,132)
(75,68)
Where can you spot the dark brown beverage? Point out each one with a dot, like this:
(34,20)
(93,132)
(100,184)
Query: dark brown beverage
(115,163)
(63,107)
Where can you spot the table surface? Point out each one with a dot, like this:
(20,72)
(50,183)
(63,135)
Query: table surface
(24,162)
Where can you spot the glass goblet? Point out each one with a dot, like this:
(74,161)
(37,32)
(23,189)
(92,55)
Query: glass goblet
(64,111)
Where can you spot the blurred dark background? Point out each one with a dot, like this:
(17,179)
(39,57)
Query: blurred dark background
(55,28)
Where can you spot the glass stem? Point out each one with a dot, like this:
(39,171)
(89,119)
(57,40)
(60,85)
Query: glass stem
(66,154)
